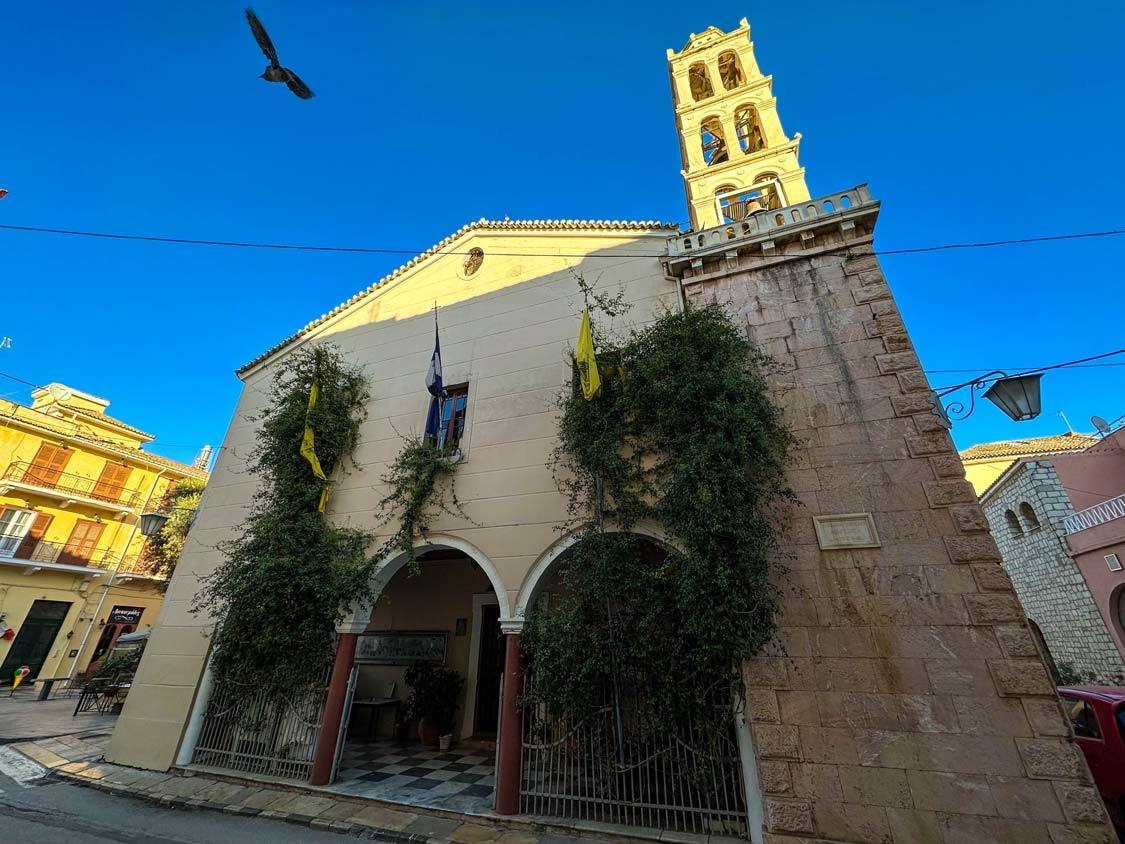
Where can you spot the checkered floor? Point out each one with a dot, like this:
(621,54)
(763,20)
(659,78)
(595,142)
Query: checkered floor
(458,780)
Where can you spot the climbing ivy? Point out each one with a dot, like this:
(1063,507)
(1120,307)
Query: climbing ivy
(285,580)
(162,551)
(418,491)
(684,437)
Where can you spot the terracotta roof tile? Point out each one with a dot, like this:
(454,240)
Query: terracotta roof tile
(482,224)
(1029,447)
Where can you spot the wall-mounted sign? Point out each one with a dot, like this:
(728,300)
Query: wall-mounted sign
(401,647)
(846,530)
(125,615)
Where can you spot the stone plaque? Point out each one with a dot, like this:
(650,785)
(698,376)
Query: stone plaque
(847,530)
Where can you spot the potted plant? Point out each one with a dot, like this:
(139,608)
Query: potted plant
(433,700)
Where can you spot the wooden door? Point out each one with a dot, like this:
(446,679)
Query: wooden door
(111,482)
(36,533)
(490,667)
(32,644)
(48,464)
(81,543)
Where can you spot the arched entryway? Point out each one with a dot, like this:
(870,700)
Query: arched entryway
(615,760)
(435,624)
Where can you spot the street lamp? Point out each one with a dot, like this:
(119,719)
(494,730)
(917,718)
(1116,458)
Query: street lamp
(1017,395)
(152,523)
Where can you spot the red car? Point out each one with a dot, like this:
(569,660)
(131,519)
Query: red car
(1097,714)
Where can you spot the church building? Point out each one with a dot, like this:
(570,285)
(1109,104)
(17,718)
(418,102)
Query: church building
(903,698)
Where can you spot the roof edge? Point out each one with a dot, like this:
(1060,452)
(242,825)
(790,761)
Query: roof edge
(483,224)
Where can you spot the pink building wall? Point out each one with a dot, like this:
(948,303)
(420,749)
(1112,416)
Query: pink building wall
(1091,477)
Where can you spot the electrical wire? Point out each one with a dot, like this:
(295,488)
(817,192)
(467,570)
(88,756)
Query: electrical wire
(399,251)
(1037,369)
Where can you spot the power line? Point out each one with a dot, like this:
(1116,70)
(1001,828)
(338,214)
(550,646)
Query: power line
(1006,368)
(1038,369)
(398,251)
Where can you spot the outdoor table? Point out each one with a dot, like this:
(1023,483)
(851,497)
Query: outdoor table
(374,705)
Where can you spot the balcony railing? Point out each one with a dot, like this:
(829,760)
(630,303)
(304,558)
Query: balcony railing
(64,482)
(1099,514)
(18,548)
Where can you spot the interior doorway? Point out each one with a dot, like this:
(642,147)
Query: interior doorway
(36,635)
(490,668)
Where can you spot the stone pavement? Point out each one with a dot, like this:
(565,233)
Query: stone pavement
(24,717)
(79,760)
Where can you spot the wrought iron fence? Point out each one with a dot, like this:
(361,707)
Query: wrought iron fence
(252,732)
(621,768)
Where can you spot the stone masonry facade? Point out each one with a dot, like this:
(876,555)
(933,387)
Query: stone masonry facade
(1048,582)
(904,698)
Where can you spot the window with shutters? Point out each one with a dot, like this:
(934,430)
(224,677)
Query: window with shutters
(81,543)
(14,525)
(29,548)
(111,482)
(48,464)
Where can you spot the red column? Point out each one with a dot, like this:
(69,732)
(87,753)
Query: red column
(325,752)
(511,732)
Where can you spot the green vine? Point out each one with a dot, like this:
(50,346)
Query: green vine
(162,550)
(284,582)
(684,437)
(417,492)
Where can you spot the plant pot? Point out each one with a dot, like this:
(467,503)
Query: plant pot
(445,742)
(429,732)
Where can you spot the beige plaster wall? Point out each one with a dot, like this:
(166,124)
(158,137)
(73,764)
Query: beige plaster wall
(507,331)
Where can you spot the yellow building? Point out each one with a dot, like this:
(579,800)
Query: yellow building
(985,462)
(73,483)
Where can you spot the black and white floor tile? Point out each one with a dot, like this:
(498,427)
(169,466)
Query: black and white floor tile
(458,780)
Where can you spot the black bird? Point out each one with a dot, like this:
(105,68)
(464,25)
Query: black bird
(275,72)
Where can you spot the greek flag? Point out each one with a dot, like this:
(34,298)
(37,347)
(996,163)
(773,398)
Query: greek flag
(434,386)
(433,374)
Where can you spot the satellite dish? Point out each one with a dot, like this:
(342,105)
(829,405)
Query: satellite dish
(1100,424)
(59,392)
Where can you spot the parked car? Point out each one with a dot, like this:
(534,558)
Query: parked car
(1097,714)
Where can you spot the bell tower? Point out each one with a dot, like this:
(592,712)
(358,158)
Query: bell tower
(737,159)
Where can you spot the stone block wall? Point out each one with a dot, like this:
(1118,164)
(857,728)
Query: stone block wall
(904,699)
(1048,581)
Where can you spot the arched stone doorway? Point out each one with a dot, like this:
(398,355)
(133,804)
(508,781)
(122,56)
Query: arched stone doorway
(443,613)
(615,762)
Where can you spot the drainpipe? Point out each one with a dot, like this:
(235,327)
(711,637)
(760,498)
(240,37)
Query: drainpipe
(679,287)
(109,583)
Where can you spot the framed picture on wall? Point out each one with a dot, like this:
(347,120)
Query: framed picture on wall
(401,647)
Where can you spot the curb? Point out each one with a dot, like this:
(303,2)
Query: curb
(171,802)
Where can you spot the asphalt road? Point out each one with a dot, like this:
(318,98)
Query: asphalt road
(60,813)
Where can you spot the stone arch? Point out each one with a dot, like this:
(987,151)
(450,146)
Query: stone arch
(532,581)
(699,81)
(359,616)
(748,129)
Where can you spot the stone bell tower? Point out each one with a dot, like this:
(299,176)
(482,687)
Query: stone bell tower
(904,697)
(736,157)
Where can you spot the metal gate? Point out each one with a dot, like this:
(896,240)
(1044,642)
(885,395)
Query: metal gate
(614,768)
(253,732)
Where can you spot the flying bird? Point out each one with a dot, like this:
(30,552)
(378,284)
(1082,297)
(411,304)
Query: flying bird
(275,72)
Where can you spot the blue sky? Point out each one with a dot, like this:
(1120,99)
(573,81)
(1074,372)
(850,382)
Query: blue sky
(970,121)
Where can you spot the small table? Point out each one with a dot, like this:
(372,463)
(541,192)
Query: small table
(374,705)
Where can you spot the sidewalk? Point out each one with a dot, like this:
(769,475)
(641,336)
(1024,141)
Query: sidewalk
(79,760)
(24,717)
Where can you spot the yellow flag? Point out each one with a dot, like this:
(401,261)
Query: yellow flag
(587,362)
(308,449)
